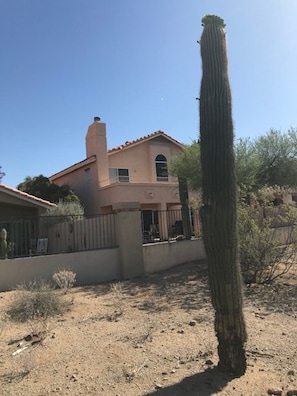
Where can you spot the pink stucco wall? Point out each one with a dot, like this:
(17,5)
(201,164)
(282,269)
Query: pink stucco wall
(97,194)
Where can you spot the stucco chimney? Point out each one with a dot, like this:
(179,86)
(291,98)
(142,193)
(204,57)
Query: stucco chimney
(96,144)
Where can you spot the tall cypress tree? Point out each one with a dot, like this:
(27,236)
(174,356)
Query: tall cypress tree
(218,213)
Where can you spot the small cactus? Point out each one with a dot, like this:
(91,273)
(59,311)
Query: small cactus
(3,243)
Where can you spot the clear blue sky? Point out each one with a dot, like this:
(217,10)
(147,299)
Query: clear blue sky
(135,64)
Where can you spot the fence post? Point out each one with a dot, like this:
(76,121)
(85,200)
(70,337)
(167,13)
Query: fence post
(129,237)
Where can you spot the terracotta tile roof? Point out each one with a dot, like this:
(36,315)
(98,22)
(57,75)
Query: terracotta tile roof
(114,150)
(143,138)
(25,196)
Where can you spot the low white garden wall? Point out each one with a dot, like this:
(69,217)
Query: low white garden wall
(164,255)
(97,266)
(93,266)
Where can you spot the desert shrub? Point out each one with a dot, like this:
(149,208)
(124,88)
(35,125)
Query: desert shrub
(65,209)
(36,300)
(63,212)
(117,294)
(266,253)
(4,317)
(64,279)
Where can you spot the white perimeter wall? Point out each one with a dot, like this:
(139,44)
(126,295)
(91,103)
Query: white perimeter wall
(94,266)
(164,255)
(97,266)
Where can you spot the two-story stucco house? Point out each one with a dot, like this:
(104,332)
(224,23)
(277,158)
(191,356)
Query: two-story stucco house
(134,172)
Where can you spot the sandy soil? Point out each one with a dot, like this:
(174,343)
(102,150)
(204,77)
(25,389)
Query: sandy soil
(152,336)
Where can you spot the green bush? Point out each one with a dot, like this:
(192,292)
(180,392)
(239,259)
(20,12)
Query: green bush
(265,254)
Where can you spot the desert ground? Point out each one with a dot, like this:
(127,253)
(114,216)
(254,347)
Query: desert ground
(151,336)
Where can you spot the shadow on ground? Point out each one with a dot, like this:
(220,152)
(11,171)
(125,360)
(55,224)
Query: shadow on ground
(205,383)
(279,296)
(184,286)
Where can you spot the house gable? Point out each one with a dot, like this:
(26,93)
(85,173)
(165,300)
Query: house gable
(139,158)
(156,136)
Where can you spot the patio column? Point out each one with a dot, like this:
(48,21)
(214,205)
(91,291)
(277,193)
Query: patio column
(129,236)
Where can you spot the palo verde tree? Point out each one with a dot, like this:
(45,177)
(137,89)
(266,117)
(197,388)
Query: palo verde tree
(218,212)
(268,160)
(184,167)
(277,152)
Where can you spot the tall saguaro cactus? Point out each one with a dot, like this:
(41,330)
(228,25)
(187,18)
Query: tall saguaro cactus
(218,213)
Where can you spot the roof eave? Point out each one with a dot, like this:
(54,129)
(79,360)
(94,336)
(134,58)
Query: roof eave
(27,197)
(74,167)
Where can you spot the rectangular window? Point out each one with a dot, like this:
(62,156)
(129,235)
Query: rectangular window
(113,175)
(162,172)
(118,175)
(88,178)
(123,175)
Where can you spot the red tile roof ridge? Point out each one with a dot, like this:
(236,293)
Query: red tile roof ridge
(150,135)
(24,194)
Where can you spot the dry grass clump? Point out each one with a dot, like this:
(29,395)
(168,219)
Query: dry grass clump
(64,279)
(117,296)
(36,300)
(3,320)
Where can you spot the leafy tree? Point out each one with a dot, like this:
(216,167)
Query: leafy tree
(269,160)
(277,156)
(42,187)
(247,164)
(185,165)
(2,174)
(219,210)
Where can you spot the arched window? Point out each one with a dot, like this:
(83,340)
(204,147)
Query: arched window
(161,168)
